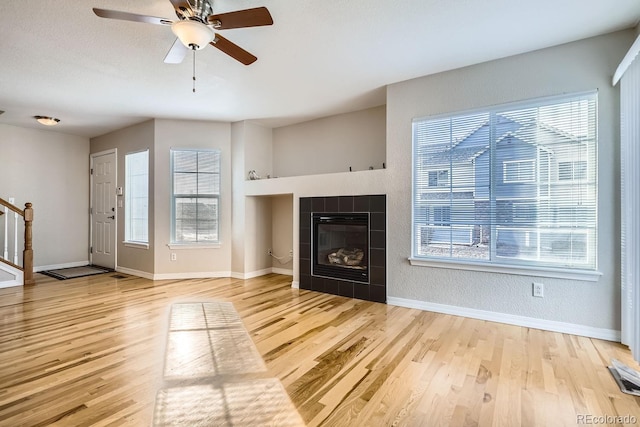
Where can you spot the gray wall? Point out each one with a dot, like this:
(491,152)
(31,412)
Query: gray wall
(251,146)
(331,144)
(585,65)
(50,170)
(282,230)
(131,139)
(160,136)
(191,134)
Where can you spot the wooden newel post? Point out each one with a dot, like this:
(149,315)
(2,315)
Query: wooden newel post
(27,255)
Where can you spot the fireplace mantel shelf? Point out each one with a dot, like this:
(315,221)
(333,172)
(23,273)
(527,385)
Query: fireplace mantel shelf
(330,184)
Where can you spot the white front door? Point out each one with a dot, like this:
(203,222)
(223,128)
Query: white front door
(103,209)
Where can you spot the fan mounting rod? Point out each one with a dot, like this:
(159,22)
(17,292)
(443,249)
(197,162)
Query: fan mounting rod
(197,10)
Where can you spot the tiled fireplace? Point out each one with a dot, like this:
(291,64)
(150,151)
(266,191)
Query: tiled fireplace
(343,246)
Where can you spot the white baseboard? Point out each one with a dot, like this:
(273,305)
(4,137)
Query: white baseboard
(251,274)
(511,319)
(133,272)
(58,266)
(10,283)
(283,271)
(204,275)
(15,276)
(195,275)
(262,272)
(174,276)
(295,284)
(257,273)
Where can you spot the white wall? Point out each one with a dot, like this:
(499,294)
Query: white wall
(331,144)
(131,139)
(581,66)
(51,170)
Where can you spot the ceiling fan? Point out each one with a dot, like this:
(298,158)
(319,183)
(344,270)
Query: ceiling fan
(197,25)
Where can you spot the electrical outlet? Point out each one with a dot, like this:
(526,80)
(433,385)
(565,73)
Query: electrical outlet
(291,253)
(538,290)
(174,256)
(269,251)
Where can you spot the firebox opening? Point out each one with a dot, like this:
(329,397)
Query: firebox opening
(341,246)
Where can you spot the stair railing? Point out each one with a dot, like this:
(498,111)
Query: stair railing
(27,253)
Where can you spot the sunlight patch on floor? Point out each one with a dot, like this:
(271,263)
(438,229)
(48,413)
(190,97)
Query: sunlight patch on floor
(213,374)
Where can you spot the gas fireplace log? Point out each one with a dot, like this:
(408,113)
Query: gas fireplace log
(344,256)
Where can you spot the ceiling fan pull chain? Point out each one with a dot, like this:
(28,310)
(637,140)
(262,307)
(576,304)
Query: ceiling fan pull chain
(194,71)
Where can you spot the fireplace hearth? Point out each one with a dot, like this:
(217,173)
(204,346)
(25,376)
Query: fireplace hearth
(343,246)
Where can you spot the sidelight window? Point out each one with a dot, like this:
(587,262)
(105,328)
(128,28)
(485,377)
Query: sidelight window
(136,211)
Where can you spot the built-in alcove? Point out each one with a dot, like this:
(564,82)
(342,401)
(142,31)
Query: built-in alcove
(282,233)
(342,246)
(268,226)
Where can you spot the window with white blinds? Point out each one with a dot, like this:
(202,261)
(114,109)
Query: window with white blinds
(511,185)
(195,196)
(136,208)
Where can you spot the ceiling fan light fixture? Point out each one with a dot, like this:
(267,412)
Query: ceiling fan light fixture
(194,35)
(47,121)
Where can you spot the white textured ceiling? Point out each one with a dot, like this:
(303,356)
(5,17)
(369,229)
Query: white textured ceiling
(320,57)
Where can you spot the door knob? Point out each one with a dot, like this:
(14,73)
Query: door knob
(112,217)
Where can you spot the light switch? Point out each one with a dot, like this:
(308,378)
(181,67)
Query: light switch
(120,203)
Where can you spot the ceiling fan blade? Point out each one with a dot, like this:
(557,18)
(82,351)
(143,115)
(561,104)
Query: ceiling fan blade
(126,16)
(183,8)
(177,53)
(233,50)
(255,17)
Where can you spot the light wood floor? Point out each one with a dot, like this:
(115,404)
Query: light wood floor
(90,351)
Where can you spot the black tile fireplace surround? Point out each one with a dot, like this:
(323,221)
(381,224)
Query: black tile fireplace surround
(371,286)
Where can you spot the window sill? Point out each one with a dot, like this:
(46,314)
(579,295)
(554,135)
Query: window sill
(137,245)
(216,245)
(556,273)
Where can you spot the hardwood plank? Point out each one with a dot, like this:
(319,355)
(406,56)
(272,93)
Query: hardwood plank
(90,352)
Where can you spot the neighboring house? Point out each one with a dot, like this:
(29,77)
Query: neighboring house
(530,166)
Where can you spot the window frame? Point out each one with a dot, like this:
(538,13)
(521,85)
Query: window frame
(494,265)
(435,177)
(202,244)
(440,215)
(518,179)
(572,170)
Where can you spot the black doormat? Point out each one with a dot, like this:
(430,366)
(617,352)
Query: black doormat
(73,272)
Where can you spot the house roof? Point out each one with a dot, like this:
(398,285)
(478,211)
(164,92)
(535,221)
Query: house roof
(319,58)
(473,145)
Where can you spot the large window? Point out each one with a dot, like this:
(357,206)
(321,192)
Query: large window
(195,196)
(510,185)
(136,211)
